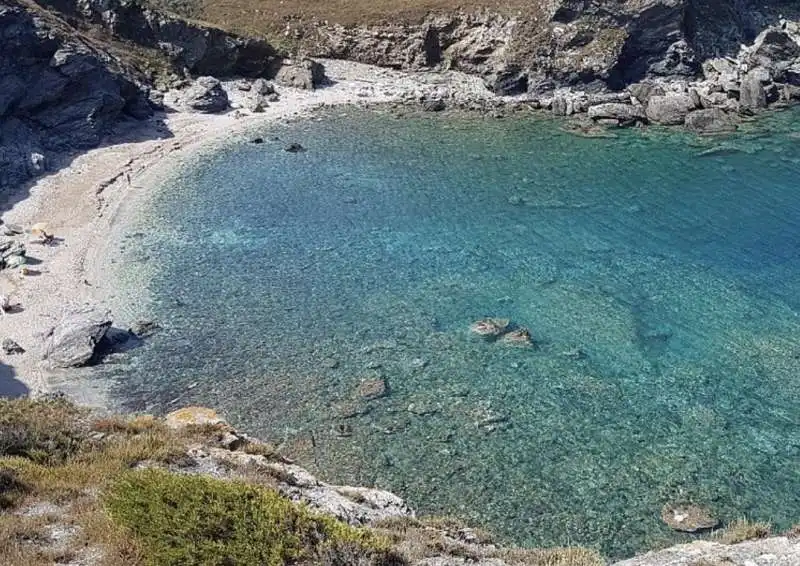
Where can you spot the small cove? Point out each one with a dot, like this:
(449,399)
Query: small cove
(659,279)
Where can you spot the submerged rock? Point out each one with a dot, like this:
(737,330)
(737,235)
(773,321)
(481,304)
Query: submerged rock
(144,328)
(518,337)
(373,389)
(72,342)
(294,147)
(490,327)
(710,121)
(688,518)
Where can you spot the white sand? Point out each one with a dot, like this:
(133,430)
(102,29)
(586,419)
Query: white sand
(77,210)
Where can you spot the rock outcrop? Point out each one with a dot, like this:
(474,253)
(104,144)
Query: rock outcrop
(206,95)
(73,341)
(200,49)
(56,93)
(776,551)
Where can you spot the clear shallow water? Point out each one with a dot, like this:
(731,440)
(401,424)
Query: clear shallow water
(284,280)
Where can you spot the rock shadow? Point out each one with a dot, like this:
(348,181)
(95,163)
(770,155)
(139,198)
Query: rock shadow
(127,130)
(10,386)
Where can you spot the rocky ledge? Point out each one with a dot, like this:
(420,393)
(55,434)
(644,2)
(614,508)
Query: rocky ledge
(237,455)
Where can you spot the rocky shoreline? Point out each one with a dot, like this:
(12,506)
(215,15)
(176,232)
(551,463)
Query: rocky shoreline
(85,66)
(64,93)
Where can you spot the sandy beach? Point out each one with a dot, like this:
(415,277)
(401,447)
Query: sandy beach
(84,203)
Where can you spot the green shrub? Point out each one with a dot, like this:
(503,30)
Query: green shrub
(45,431)
(196,520)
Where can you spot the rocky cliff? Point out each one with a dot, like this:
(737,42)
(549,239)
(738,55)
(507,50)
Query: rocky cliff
(57,92)
(561,42)
(70,71)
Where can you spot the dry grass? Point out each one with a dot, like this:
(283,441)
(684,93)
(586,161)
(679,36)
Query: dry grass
(269,17)
(794,532)
(741,530)
(53,452)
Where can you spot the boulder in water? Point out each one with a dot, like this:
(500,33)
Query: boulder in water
(710,121)
(671,109)
(72,342)
(688,518)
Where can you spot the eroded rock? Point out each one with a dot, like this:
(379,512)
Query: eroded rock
(305,74)
(72,342)
(710,121)
(688,518)
(206,95)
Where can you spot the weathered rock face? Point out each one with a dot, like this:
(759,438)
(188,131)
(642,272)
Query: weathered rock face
(206,95)
(55,93)
(564,42)
(72,342)
(202,50)
(305,74)
(776,551)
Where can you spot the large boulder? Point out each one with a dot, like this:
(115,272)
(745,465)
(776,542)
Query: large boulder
(671,109)
(56,93)
(72,342)
(752,95)
(624,113)
(305,74)
(206,95)
(710,121)
(774,47)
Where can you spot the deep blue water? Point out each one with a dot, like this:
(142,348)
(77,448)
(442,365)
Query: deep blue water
(659,275)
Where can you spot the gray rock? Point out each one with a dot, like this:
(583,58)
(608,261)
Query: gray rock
(263,87)
(200,49)
(625,114)
(710,121)
(11,248)
(643,92)
(354,505)
(10,347)
(72,342)
(776,551)
(559,106)
(752,95)
(435,105)
(144,328)
(206,95)
(305,74)
(773,47)
(670,109)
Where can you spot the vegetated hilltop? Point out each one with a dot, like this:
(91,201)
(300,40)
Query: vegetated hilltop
(524,45)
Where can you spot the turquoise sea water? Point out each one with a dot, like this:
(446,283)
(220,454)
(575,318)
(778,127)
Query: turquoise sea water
(659,275)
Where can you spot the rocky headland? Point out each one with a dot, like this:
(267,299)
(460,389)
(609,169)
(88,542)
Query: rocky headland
(95,93)
(73,69)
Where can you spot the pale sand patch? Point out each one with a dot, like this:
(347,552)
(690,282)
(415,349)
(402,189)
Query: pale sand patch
(94,196)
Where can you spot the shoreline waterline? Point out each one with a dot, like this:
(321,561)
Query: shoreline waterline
(121,207)
(685,330)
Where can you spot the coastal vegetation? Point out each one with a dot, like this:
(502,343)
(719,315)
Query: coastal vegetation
(75,487)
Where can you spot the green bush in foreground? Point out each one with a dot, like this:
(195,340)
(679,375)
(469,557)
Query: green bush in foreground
(196,520)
